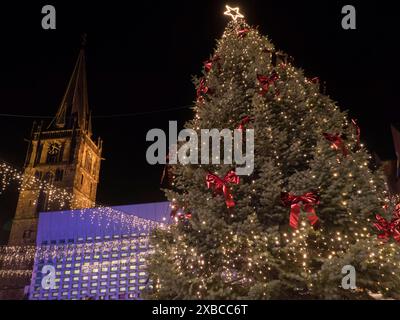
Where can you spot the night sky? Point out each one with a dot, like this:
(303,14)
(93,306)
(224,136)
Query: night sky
(141,58)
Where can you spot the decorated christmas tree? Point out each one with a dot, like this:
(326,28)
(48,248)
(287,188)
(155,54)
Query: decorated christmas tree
(308,209)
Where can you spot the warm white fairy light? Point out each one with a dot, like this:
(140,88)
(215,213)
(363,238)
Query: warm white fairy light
(13,257)
(60,198)
(57,197)
(298,241)
(244,258)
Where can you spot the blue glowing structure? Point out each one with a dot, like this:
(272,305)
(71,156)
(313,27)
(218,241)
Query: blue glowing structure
(97,253)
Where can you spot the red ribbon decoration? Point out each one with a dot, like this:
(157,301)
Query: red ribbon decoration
(337,142)
(187,215)
(202,89)
(266,82)
(221,185)
(242,32)
(175,212)
(243,122)
(209,63)
(184,216)
(315,80)
(388,229)
(307,201)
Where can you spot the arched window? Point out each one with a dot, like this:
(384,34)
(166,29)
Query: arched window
(49,177)
(38,175)
(59,175)
(94,168)
(88,161)
(27,235)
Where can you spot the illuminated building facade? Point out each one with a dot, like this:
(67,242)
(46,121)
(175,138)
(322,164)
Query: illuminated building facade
(97,253)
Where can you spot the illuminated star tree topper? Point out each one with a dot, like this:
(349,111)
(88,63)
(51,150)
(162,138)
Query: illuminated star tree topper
(233,13)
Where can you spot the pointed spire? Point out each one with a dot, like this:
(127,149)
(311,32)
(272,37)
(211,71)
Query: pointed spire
(74,105)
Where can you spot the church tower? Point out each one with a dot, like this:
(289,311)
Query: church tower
(62,154)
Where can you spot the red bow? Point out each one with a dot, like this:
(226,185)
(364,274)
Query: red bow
(221,185)
(242,32)
(266,82)
(307,200)
(177,213)
(202,89)
(337,142)
(209,63)
(243,122)
(387,228)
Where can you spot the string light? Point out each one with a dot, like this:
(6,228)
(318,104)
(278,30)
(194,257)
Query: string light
(290,127)
(60,199)
(236,250)
(13,257)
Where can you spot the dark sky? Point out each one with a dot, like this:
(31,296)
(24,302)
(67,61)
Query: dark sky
(141,58)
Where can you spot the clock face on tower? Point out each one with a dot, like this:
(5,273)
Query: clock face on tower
(54,148)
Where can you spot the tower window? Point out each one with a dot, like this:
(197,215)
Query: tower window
(54,153)
(59,175)
(38,175)
(49,177)
(82,179)
(94,168)
(88,161)
(27,234)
